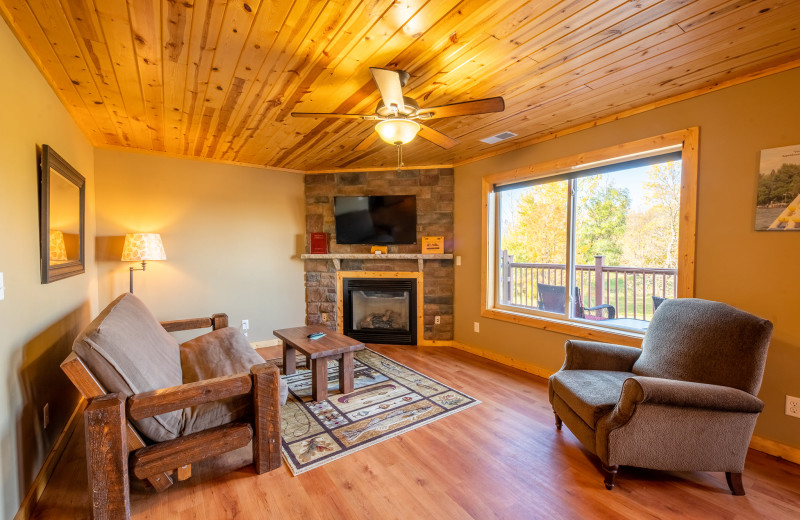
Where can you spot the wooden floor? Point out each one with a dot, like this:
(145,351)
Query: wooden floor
(500,459)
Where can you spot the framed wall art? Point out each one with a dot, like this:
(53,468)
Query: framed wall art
(778,196)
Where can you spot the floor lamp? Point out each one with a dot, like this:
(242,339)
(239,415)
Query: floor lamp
(142,247)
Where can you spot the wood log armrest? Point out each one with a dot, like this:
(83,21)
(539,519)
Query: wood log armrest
(217,321)
(148,404)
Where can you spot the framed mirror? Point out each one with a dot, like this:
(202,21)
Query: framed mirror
(62,210)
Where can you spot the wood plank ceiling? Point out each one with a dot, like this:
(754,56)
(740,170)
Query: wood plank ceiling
(216,79)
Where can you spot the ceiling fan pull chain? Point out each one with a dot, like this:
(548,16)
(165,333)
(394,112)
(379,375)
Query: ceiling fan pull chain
(399,157)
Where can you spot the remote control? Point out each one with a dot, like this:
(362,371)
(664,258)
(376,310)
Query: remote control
(316,335)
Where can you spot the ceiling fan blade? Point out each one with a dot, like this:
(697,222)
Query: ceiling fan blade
(365,117)
(467,108)
(367,142)
(390,86)
(436,137)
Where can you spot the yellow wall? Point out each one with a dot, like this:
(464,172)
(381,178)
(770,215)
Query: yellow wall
(231,234)
(37,322)
(755,271)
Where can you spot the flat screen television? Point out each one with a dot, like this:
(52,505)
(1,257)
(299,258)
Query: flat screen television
(376,220)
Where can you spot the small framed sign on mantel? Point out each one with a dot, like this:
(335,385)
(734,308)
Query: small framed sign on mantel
(318,244)
(432,245)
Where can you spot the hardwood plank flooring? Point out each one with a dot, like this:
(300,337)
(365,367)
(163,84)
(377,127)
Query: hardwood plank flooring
(500,459)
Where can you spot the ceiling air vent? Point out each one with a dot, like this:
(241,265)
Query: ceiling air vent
(499,137)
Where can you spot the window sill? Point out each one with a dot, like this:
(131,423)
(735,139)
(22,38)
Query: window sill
(585,331)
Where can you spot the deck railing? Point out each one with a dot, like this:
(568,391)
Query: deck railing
(628,289)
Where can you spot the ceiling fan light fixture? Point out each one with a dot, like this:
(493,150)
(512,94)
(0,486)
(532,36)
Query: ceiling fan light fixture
(397,131)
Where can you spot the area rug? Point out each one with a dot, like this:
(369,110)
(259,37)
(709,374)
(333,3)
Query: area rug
(388,399)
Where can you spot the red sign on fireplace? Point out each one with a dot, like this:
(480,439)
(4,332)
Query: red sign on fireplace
(319,243)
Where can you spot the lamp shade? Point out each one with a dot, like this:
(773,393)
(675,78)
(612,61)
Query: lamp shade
(143,246)
(58,248)
(397,131)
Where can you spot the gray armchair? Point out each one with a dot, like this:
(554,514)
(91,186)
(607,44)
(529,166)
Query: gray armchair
(685,401)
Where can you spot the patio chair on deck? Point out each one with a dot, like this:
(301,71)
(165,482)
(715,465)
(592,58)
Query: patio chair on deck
(552,298)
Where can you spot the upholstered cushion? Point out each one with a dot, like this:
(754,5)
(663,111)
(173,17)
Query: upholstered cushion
(591,394)
(705,342)
(219,353)
(129,351)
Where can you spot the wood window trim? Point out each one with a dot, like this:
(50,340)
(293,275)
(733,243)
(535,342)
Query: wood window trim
(689,139)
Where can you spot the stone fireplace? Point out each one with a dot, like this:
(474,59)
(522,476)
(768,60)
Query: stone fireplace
(435,276)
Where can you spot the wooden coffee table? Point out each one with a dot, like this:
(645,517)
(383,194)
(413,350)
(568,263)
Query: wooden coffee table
(329,347)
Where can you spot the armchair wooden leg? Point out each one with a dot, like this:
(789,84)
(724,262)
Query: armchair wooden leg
(160,482)
(610,475)
(185,472)
(558,420)
(267,438)
(107,457)
(735,483)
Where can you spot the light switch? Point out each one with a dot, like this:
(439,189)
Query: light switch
(2,288)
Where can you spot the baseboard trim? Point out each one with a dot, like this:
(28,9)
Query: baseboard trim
(266,343)
(435,343)
(43,477)
(505,360)
(776,449)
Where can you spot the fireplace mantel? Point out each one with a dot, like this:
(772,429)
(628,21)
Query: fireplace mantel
(366,256)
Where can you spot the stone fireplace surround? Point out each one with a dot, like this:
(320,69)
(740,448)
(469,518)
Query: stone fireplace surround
(434,191)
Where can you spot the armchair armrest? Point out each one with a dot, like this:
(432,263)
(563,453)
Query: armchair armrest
(163,400)
(684,394)
(593,355)
(217,321)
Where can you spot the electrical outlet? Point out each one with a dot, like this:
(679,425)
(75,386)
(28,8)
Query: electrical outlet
(245,324)
(2,288)
(793,406)
(437,320)
(476,327)
(458,260)
(45,415)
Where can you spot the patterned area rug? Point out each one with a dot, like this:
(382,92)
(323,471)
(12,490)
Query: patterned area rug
(388,399)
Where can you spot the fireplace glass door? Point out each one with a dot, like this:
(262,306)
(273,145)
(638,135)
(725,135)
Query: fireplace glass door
(380,310)
(377,310)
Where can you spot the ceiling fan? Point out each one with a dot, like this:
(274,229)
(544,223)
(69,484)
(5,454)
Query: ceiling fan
(397,114)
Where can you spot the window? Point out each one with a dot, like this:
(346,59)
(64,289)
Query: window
(593,242)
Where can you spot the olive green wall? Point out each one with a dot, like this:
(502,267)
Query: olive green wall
(232,235)
(755,271)
(37,322)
